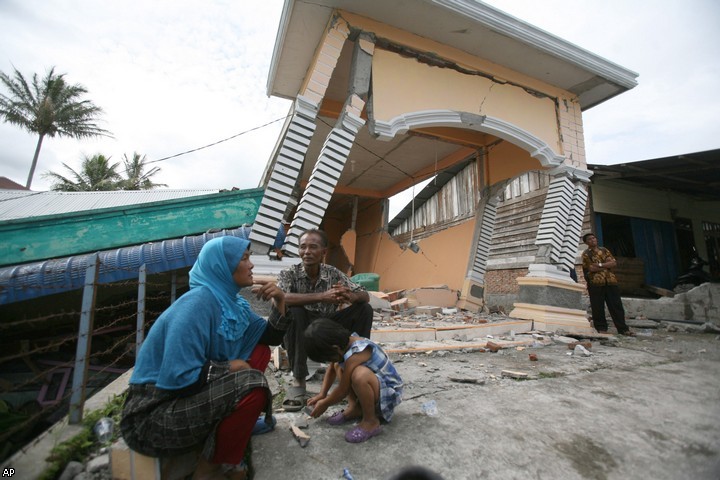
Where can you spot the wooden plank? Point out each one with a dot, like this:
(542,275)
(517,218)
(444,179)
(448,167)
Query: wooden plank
(659,291)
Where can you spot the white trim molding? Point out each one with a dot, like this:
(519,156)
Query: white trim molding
(450,118)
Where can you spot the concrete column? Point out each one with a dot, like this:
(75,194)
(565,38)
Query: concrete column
(287,169)
(336,149)
(547,294)
(297,136)
(324,178)
(472,293)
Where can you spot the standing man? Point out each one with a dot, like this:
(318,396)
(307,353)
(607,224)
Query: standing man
(602,286)
(313,290)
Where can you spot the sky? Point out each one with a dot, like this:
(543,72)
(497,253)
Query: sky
(176,75)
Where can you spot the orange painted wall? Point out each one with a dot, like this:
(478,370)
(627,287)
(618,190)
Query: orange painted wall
(463,59)
(442,259)
(506,160)
(402,85)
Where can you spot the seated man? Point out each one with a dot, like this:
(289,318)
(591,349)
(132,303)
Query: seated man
(312,290)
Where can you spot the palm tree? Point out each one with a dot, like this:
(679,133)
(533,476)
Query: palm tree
(96,174)
(136,179)
(48,106)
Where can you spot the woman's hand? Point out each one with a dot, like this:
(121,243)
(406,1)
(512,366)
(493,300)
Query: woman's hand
(237,365)
(268,290)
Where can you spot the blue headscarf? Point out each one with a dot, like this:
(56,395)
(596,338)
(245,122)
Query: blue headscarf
(214,269)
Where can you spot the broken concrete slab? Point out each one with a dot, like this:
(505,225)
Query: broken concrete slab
(399,304)
(483,330)
(699,305)
(428,310)
(438,295)
(401,335)
(378,300)
(302,437)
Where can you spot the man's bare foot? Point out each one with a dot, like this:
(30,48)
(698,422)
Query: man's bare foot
(207,471)
(237,474)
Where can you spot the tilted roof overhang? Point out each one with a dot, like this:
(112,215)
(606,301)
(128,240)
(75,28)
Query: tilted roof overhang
(468,25)
(696,175)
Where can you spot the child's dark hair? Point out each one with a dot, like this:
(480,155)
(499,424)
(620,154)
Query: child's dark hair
(321,338)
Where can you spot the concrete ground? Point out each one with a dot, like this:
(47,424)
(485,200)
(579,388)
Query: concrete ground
(643,407)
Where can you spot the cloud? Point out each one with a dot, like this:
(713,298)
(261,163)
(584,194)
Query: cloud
(673,45)
(174,75)
(171,76)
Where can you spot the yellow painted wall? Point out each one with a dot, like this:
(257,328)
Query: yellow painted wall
(459,57)
(402,85)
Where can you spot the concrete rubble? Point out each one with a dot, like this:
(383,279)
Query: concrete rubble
(486,396)
(699,305)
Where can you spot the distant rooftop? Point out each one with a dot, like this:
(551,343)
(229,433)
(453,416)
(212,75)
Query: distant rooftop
(7,184)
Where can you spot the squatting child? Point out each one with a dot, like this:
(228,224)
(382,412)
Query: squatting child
(367,378)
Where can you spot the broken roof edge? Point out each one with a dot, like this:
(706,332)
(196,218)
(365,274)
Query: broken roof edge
(494,19)
(513,27)
(279,40)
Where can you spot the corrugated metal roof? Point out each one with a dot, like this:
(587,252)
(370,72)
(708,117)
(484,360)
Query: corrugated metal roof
(15,204)
(50,277)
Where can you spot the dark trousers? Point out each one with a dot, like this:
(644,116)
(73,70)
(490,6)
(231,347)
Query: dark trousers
(356,318)
(610,295)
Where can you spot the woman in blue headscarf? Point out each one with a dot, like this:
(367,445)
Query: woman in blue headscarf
(198,380)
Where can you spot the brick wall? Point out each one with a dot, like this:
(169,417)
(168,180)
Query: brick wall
(503,281)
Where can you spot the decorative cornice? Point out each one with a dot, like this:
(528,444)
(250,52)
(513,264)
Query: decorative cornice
(524,139)
(450,118)
(425,118)
(351,122)
(306,107)
(572,173)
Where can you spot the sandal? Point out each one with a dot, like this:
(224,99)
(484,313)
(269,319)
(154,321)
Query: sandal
(358,435)
(238,471)
(262,425)
(295,399)
(339,418)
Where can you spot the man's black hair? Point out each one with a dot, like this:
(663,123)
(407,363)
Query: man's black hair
(319,233)
(585,237)
(321,338)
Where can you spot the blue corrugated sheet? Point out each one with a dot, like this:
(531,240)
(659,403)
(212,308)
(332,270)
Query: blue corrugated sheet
(49,277)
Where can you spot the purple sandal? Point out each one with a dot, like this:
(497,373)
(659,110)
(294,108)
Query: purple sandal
(358,435)
(339,418)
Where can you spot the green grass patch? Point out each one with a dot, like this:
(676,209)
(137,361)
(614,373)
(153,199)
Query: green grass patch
(79,447)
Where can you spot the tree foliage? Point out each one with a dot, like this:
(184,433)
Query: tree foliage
(136,178)
(48,106)
(97,174)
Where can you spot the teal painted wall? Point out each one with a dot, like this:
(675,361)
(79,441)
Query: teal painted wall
(53,236)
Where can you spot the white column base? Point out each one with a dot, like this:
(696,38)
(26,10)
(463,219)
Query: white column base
(552,319)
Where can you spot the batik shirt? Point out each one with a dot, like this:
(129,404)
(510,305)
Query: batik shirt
(603,277)
(295,280)
(391,385)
